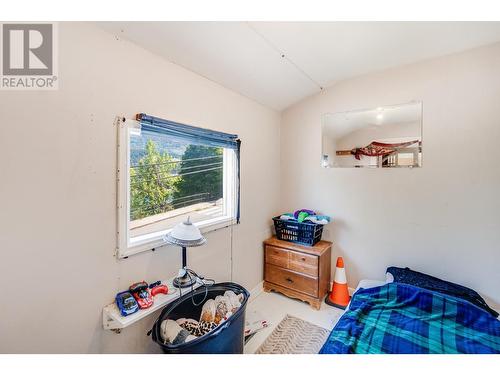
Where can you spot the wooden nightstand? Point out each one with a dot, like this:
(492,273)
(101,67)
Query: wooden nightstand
(298,271)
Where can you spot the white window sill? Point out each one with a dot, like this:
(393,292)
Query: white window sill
(154,240)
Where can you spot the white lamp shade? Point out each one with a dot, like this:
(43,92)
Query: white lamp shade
(185,234)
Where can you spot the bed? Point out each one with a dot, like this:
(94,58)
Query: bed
(405,317)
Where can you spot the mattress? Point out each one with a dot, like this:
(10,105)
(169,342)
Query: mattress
(365,284)
(401,318)
(368,283)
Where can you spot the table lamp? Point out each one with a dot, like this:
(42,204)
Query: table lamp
(185,235)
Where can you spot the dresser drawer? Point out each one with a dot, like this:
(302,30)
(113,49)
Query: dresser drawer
(303,263)
(306,259)
(277,256)
(291,280)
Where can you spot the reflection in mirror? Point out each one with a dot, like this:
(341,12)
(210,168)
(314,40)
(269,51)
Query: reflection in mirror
(383,137)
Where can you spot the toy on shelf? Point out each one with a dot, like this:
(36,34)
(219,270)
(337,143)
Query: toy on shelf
(126,303)
(156,283)
(161,288)
(141,294)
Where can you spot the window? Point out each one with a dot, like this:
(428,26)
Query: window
(169,172)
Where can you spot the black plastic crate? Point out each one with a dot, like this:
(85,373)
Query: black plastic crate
(227,338)
(304,233)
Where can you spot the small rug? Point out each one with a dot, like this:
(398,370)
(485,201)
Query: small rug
(294,336)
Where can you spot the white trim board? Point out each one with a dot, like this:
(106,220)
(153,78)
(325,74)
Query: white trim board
(256,291)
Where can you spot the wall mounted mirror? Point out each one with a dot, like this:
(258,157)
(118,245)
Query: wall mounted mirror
(383,137)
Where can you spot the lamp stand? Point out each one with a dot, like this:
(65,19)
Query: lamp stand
(186,280)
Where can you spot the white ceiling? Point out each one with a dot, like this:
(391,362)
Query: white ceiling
(280,63)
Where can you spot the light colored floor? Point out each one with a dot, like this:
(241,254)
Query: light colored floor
(274,307)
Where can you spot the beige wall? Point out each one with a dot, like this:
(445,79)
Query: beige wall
(57,192)
(443,218)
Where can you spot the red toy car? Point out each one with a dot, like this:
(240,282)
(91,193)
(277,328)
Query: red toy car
(161,288)
(141,294)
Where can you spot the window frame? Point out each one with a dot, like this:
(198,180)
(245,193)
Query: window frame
(126,247)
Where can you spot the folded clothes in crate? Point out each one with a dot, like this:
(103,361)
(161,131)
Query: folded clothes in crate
(303,227)
(316,219)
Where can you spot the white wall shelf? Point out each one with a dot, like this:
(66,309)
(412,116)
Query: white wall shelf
(113,320)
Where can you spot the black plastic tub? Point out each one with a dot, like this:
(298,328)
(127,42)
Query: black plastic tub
(227,338)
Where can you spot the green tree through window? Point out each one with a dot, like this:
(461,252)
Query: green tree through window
(152,183)
(201,171)
(159,183)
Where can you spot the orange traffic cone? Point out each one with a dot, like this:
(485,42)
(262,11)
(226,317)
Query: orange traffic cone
(339,296)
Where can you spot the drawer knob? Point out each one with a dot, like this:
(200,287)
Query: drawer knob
(303,259)
(289,280)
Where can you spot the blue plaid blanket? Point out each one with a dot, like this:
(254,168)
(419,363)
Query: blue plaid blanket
(402,318)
